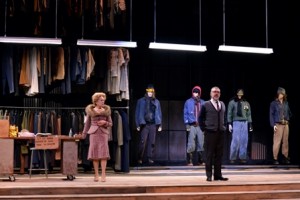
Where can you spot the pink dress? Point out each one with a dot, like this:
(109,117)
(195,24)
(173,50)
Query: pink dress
(99,135)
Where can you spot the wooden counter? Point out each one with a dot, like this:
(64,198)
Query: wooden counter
(31,140)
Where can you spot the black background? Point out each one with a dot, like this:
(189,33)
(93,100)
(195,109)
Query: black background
(174,73)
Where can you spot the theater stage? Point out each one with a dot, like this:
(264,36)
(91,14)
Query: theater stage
(160,182)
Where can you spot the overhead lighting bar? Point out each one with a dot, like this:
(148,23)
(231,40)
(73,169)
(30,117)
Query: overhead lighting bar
(245,49)
(106,43)
(179,47)
(30,40)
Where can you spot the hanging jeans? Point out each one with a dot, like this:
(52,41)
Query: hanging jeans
(239,140)
(195,140)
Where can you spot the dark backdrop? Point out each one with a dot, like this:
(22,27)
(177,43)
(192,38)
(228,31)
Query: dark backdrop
(174,73)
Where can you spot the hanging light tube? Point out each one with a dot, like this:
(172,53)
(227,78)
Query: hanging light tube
(245,49)
(106,43)
(179,47)
(174,46)
(30,40)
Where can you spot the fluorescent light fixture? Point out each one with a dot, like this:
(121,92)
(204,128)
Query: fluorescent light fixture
(30,40)
(106,43)
(179,47)
(245,49)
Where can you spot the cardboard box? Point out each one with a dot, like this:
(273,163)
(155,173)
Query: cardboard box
(4,127)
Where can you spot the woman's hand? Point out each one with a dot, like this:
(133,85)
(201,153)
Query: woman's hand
(102,123)
(78,136)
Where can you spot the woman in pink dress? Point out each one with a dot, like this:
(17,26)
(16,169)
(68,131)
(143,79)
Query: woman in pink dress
(98,121)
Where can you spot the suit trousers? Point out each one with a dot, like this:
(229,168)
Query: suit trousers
(213,146)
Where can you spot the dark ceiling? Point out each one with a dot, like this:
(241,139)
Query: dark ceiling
(247,22)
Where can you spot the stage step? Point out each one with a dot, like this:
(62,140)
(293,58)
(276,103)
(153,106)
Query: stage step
(222,192)
(245,183)
(241,195)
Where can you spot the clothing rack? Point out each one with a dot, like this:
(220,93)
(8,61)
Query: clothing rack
(62,108)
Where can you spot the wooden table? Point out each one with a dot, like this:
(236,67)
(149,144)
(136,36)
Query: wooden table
(29,140)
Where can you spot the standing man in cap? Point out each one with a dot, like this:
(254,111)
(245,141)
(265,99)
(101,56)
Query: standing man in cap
(191,113)
(280,115)
(148,118)
(239,123)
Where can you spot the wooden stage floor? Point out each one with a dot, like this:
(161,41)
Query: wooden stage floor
(172,178)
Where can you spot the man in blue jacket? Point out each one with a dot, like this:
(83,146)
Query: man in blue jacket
(191,112)
(148,119)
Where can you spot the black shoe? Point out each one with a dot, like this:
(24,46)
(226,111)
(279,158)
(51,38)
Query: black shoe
(232,161)
(87,168)
(200,162)
(50,168)
(150,161)
(286,161)
(208,179)
(243,161)
(275,162)
(220,179)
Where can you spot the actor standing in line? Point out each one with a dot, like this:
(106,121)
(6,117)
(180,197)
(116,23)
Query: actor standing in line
(148,118)
(213,123)
(191,112)
(239,122)
(280,115)
(97,126)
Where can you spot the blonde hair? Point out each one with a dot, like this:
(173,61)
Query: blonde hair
(96,96)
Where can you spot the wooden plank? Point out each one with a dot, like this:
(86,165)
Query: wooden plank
(70,157)
(6,156)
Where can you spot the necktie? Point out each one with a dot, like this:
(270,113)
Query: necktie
(218,107)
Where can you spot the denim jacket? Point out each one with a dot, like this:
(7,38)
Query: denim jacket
(141,111)
(275,112)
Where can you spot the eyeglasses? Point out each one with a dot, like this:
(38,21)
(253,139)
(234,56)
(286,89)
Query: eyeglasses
(215,91)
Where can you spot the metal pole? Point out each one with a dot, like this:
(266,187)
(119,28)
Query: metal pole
(200,21)
(223,22)
(56,19)
(154,14)
(5,16)
(267,24)
(130,31)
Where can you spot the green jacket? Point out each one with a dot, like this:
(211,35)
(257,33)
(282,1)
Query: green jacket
(232,111)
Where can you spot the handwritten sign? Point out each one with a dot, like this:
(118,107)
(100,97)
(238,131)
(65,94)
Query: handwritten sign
(46,142)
